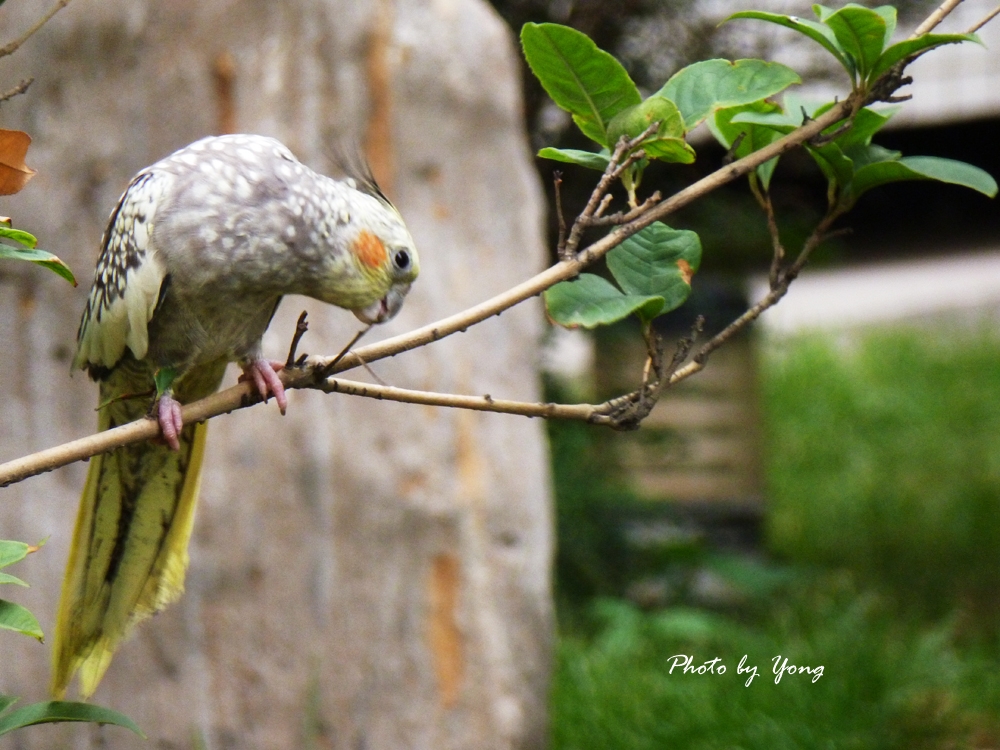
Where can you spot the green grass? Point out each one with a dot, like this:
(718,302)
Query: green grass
(885,459)
(884,520)
(885,683)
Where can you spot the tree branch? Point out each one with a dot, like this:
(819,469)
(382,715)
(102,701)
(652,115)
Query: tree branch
(18,89)
(983,21)
(936,17)
(242,394)
(11,47)
(586,412)
(569,269)
(781,279)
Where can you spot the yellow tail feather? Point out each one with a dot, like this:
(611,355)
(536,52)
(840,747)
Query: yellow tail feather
(129,552)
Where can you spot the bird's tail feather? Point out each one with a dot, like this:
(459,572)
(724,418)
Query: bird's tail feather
(129,552)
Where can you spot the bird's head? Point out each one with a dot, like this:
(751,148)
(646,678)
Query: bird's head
(370,261)
(386,258)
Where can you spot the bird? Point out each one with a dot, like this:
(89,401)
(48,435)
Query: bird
(196,257)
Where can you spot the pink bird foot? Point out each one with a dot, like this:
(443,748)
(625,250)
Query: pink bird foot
(168,414)
(264,374)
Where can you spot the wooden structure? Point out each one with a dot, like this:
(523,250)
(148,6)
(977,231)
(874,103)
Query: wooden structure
(702,443)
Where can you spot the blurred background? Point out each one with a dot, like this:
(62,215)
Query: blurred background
(371,575)
(827,489)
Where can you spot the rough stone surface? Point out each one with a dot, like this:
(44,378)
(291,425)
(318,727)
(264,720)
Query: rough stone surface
(363,574)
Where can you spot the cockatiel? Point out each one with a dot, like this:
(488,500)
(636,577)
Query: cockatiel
(196,258)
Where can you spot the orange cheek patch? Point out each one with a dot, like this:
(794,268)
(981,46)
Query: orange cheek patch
(370,249)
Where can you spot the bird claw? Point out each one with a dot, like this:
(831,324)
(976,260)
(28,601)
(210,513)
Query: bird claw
(168,414)
(264,375)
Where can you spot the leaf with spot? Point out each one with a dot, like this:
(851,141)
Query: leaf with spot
(658,261)
(582,79)
(14,173)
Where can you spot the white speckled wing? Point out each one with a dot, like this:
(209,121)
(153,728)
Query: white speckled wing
(128,277)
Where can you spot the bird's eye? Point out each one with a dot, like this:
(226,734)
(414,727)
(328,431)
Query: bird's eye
(401,260)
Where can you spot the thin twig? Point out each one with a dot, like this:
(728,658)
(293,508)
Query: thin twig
(936,17)
(327,369)
(893,79)
(601,208)
(824,138)
(730,156)
(560,218)
(623,218)
(979,24)
(599,198)
(778,255)
(18,89)
(628,411)
(301,326)
(785,277)
(11,47)
(367,368)
(476,403)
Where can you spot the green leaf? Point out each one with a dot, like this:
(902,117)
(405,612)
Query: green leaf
(921,168)
(862,156)
(888,14)
(861,33)
(586,81)
(910,47)
(727,125)
(710,85)
(52,712)
(667,143)
(633,121)
(12,552)
(42,258)
(818,32)
(8,578)
(658,261)
(673,150)
(592,301)
(822,12)
(866,123)
(19,236)
(778,121)
(588,159)
(6,701)
(17,618)
(831,160)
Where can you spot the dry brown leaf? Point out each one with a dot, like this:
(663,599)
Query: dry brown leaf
(14,173)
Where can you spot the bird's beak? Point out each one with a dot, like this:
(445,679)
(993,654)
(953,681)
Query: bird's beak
(385,308)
